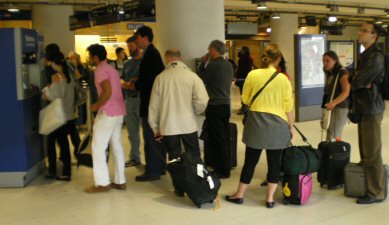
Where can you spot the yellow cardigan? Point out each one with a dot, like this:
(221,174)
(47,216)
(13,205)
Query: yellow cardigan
(276,98)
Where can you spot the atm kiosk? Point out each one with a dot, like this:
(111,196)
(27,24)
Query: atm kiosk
(21,148)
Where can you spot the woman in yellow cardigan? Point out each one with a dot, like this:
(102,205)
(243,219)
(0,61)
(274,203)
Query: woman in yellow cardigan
(269,123)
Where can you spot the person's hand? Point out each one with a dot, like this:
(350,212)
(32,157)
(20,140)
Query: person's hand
(370,85)
(94,107)
(330,106)
(158,137)
(205,57)
(291,131)
(131,86)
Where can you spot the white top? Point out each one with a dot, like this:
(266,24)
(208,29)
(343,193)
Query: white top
(177,96)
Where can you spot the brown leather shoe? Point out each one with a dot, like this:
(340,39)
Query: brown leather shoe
(119,186)
(96,189)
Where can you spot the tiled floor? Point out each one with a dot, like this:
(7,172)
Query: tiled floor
(45,202)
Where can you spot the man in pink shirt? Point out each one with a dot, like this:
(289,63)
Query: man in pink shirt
(107,126)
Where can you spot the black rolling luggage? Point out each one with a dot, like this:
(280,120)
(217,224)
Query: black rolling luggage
(189,175)
(334,158)
(234,144)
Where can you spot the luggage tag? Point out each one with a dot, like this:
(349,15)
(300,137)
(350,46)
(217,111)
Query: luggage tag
(210,182)
(200,170)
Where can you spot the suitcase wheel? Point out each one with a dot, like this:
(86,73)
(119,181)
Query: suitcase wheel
(198,206)
(211,201)
(286,202)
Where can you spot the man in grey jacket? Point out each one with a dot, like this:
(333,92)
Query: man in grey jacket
(368,104)
(217,75)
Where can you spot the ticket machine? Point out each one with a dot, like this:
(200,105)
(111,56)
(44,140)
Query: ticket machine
(21,149)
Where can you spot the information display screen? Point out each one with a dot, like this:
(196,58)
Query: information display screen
(312,50)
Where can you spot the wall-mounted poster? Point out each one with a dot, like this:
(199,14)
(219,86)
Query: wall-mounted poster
(344,50)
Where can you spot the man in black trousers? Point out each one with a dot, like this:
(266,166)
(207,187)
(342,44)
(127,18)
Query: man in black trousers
(150,66)
(217,75)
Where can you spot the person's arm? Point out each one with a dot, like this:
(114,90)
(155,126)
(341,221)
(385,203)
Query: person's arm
(154,108)
(106,93)
(343,95)
(200,96)
(288,105)
(246,91)
(372,72)
(290,116)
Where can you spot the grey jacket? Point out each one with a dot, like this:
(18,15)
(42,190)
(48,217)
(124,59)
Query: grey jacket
(217,77)
(370,70)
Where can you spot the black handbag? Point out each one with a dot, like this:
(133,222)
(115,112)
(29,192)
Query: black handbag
(354,117)
(300,159)
(256,95)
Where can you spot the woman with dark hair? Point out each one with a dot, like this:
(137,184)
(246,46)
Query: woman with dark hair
(268,125)
(245,65)
(60,87)
(337,75)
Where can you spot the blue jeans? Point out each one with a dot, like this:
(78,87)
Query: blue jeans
(154,152)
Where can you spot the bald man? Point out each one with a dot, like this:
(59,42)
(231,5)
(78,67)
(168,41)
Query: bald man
(178,95)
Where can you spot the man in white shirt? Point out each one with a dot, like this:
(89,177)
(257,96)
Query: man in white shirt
(178,95)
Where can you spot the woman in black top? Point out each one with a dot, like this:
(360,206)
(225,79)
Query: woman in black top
(340,102)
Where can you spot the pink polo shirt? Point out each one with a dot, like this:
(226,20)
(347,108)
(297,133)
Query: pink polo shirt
(115,105)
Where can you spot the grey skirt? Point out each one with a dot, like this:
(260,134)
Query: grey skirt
(266,131)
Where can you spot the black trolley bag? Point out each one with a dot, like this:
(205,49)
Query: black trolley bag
(189,175)
(335,155)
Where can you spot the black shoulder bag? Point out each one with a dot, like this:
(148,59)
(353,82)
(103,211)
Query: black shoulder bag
(256,95)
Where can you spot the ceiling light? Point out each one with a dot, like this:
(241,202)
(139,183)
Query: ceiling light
(121,10)
(12,8)
(385,25)
(379,21)
(268,29)
(261,6)
(276,16)
(361,10)
(387,12)
(332,19)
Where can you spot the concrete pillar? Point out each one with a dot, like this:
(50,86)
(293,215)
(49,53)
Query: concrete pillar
(283,31)
(189,25)
(52,21)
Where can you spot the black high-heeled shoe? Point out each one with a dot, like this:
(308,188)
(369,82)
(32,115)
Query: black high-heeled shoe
(238,201)
(270,205)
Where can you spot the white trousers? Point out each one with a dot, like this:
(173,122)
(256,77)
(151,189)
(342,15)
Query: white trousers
(107,129)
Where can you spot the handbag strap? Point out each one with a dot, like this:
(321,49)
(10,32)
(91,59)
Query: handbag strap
(336,83)
(260,90)
(301,134)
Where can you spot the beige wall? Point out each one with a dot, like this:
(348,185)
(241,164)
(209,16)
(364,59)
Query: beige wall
(52,21)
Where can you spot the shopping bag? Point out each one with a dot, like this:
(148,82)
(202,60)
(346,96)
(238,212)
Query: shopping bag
(52,117)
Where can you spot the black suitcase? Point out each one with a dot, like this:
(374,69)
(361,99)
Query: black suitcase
(189,175)
(334,158)
(234,144)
